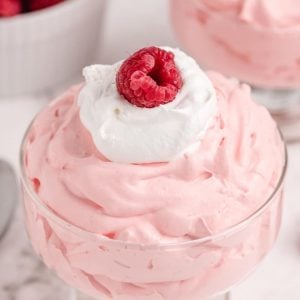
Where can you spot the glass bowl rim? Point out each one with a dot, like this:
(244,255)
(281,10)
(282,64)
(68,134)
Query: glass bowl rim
(76,230)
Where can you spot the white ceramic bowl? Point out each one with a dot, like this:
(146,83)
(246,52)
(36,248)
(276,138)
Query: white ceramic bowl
(45,48)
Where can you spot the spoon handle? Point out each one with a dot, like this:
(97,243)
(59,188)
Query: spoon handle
(8,195)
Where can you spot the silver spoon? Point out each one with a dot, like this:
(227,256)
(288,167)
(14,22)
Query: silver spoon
(8,195)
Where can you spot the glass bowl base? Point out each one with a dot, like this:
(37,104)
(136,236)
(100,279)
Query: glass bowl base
(284,106)
(76,295)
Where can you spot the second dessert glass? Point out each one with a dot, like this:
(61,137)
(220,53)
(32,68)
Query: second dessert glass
(266,57)
(109,269)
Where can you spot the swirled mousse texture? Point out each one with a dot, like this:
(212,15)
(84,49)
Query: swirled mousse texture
(231,172)
(257,41)
(221,180)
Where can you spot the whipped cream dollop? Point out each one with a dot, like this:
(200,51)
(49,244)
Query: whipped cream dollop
(125,133)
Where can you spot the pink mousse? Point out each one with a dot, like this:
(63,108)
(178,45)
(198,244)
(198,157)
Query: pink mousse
(257,41)
(236,167)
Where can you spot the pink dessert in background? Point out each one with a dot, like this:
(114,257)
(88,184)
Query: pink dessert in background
(257,41)
(138,227)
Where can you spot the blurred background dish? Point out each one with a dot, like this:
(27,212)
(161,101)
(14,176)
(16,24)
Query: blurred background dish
(256,41)
(45,48)
(10,8)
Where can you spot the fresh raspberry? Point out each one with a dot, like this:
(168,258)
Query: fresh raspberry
(149,78)
(9,8)
(40,4)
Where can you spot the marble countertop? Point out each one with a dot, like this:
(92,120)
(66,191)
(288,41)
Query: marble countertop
(23,276)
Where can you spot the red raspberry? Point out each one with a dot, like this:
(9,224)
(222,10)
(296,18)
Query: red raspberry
(40,4)
(149,78)
(10,8)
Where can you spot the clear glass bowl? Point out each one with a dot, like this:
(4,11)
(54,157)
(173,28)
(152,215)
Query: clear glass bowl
(267,59)
(102,268)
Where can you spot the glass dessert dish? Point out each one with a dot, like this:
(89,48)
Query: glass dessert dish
(192,270)
(127,226)
(256,41)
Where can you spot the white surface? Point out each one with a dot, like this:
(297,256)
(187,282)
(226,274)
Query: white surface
(132,24)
